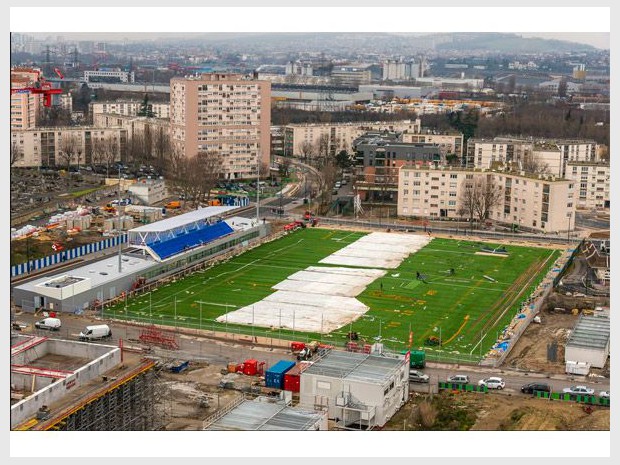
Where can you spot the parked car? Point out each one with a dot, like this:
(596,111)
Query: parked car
(579,390)
(494,382)
(416,376)
(458,379)
(604,394)
(531,388)
(52,324)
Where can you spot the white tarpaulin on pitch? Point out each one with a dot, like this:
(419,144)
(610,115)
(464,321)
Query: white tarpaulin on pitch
(318,299)
(383,250)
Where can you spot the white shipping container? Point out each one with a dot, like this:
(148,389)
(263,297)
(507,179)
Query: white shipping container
(577,368)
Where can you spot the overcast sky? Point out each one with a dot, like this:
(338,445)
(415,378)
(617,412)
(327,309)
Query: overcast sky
(596,39)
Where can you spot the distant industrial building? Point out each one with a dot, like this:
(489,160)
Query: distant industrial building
(400,70)
(316,97)
(351,75)
(225,113)
(358,391)
(111,75)
(265,414)
(589,341)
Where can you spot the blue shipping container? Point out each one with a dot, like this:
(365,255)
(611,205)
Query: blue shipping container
(274,376)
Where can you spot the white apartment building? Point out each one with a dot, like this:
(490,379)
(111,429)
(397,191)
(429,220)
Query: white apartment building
(225,113)
(62,146)
(128,108)
(553,154)
(538,202)
(592,181)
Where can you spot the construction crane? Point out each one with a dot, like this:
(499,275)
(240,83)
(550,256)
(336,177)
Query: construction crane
(45,89)
(59,73)
(41,86)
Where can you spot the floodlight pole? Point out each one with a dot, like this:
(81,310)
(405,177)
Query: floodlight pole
(257,186)
(120,222)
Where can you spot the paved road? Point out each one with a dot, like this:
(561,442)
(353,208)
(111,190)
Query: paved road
(193,347)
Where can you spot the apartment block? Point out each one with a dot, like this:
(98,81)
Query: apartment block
(225,113)
(379,159)
(450,142)
(341,136)
(25,106)
(538,202)
(128,108)
(551,154)
(592,181)
(62,146)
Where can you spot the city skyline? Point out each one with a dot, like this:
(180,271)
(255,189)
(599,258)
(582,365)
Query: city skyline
(600,40)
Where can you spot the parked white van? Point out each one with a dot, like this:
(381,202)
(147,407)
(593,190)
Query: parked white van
(95,332)
(53,324)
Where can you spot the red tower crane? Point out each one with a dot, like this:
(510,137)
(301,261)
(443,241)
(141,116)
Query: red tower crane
(41,87)
(59,73)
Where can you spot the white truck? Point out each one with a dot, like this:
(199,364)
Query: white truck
(94,332)
(52,324)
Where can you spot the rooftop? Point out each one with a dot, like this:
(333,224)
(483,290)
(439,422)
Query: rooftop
(375,369)
(591,332)
(262,415)
(182,220)
(98,273)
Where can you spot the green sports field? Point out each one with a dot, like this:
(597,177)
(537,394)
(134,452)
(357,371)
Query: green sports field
(465,309)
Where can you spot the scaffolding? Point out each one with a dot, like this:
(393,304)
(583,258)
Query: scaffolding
(133,402)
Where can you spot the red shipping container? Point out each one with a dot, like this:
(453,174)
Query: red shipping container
(291,379)
(250,367)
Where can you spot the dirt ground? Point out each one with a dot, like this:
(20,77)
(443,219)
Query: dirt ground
(505,412)
(194,394)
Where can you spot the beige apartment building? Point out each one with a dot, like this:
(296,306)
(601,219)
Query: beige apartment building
(538,202)
(551,154)
(450,142)
(340,136)
(25,106)
(127,108)
(225,113)
(592,181)
(62,146)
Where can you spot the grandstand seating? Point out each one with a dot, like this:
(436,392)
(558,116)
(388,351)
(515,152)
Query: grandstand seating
(190,240)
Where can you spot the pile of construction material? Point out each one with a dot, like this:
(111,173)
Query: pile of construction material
(124,222)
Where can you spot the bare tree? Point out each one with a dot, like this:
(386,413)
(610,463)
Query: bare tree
(209,165)
(98,151)
(323,149)
(530,164)
(307,150)
(17,153)
(69,146)
(111,151)
(487,195)
(161,148)
(325,181)
(467,201)
(137,149)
